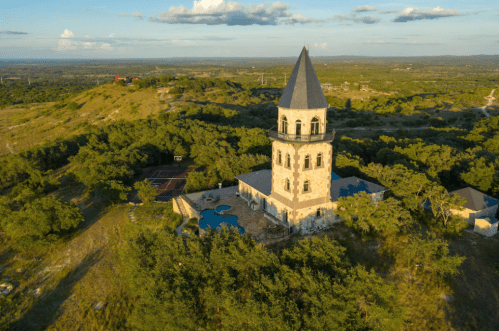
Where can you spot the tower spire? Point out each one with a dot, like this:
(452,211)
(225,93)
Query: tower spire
(303,90)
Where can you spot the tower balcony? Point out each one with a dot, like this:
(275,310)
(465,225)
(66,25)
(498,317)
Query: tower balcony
(304,139)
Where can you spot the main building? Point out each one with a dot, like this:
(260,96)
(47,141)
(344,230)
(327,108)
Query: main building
(301,191)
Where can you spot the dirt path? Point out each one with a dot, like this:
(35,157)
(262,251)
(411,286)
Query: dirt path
(490,99)
(162,91)
(11,151)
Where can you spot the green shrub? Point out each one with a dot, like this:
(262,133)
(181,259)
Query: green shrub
(72,106)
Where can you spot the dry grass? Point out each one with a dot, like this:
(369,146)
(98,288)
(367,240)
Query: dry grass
(24,127)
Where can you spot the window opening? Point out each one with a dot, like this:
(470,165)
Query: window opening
(315,126)
(298,128)
(284,125)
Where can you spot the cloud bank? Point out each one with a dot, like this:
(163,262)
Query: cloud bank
(389,11)
(414,14)
(320,45)
(12,32)
(137,15)
(363,9)
(68,43)
(362,19)
(220,12)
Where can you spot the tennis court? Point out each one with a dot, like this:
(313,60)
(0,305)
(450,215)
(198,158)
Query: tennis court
(169,182)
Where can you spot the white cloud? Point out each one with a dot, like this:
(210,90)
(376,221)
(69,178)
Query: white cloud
(389,11)
(124,15)
(321,45)
(413,14)
(363,19)
(137,15)
(67,34)
(106,46)
(65,45)
(111,35)
(221,12)
(362,9)
(88,45)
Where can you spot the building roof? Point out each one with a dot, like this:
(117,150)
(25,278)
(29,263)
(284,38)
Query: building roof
(476,200)
(303,90)
(259,180)
(346,187)
(334,176)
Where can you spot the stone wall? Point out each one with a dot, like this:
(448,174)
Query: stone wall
(484,226)
(191,212)
(305,116)
(176,208)
(470,215)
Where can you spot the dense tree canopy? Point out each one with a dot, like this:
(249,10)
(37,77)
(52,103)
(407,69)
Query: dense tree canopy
(226,281)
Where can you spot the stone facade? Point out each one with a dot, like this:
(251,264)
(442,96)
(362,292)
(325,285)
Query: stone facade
(486,227)
(470,215)
(305,116)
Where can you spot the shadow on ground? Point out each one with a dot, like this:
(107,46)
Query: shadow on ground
(476,288)
(48,307)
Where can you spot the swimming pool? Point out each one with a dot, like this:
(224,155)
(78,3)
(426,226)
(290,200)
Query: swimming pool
(215,218)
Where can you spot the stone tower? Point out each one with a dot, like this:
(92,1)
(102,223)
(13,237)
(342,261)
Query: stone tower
(301,150)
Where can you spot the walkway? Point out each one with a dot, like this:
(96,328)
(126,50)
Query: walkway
(185,215)
(490,98)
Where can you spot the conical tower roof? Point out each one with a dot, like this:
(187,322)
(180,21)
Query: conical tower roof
(303,90)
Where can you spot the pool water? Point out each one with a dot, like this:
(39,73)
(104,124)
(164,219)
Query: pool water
(215,218)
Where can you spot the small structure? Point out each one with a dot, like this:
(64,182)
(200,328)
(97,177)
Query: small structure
(486,226)
(125,79)
(121,78)
(478,205)
(346,187)
(327,86)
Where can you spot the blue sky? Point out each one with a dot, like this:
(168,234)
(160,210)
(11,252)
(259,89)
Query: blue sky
(218,28)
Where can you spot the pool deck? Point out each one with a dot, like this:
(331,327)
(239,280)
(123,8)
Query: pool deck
(253,221)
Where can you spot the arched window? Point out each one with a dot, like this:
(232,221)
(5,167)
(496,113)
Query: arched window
(298,128)
(288,161)
(279,158)
(307,162)
(305,186)
(284,125)
(287,185)
(318,213)
(319,160)
(315,126)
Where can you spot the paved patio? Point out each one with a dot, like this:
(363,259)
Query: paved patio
(253,221)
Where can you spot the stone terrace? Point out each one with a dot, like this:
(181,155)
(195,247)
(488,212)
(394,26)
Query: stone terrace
(251,220)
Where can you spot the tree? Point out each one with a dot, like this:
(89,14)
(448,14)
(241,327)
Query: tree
(441,202)
(146,192)
(45,220)
(429,256)
(405,184)
(367,217)
(480,174)
(225,281)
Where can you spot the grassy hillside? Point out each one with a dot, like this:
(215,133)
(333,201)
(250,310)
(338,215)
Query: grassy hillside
(25,126)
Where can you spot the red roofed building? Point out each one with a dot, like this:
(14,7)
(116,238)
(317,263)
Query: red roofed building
(118,78)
